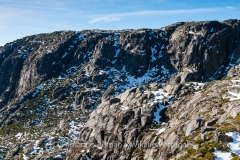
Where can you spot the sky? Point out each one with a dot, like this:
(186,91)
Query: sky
(20,18)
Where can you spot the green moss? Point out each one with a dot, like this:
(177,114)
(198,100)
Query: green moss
(236,158)
(190,138)
(139,152)
(237,119)
(209,135)
(191,151)
(209,156)
(210,147)
(229,127)
(199,141)
(221,111)
(226,128)
(205,149)
(187,138)
(225,100)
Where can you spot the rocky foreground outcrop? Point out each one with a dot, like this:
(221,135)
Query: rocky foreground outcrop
(130,94)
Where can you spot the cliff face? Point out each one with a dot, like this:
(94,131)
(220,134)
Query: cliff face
(64,89)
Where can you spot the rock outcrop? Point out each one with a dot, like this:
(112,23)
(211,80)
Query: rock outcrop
(131,94)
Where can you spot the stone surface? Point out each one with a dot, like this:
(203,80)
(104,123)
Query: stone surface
(193,125)
(65,89)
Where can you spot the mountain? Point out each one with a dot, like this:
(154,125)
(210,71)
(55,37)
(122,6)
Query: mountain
(168,93)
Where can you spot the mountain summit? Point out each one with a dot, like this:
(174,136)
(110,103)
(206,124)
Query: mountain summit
(168,93)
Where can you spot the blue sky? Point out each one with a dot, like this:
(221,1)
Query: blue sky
(19,18)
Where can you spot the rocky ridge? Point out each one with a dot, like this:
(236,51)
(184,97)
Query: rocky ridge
(157,93)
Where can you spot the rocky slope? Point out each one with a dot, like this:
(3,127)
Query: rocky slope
(169,93)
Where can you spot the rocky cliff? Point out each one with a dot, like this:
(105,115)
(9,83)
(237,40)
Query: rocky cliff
(168,93)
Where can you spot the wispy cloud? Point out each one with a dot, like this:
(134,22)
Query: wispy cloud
(36,13)
(103,19)
(230,7)
(114,17)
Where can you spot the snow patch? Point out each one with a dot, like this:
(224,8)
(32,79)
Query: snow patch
(74,129)
(37,90)
(117,53)
(123,108)
(191,32)
(130,81)
(160,131)
(222,155)
(22,54)
(101,72)
(235,80)
(81,36)
(237,95)
(158,96)
(36,149)
(164,70)
(87,157)
(24,157)
(154,51)
(157,116)
(19,135)
(65,55)
(234,147)
(58,156)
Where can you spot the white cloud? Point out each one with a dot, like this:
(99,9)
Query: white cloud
(230,7)
(103,19)
(114,17)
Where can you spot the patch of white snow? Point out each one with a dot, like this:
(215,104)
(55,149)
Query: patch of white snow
(160,131)
(234,147)
(123,108)
(235,95)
